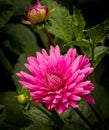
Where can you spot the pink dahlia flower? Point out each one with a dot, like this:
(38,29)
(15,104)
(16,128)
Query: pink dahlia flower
(58,81)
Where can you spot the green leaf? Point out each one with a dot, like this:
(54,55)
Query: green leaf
(39,120)
(5,4)
(20,6)
(78,23)
(60,25)
(99,53)
(73,120)
(15,116)
(101,96)
(19,66)
(5,17)
(21,38)
(82,43)
(2,113)
(100,50)
(98,32)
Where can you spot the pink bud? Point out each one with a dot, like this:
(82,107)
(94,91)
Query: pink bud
(36,14)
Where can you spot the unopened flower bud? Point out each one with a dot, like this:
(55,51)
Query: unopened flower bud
(36,14)
(22,99)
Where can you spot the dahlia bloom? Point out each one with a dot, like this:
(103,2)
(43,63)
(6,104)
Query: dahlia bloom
(58,81)
(36,14)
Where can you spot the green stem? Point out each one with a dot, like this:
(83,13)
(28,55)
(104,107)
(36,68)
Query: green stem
(84,119)
(92,76)
(5,63)
(43,110)
(92,60)
(49,37)
(99,117)
(59,123)
(93,80)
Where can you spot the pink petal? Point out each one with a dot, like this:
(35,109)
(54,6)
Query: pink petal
(76,63)
(64,100)
(55,101)
(73,104)
(88,99)
(29,85)
(80,78)
(32,61)
(71,86)
(61,109)
(85,92)
(77,90)
(53,106)
(84,63)
(48,98)
(26,77)
(37,94)
(45,54)
(58,96)
(75,98)
(57,51)
(87,71)
(83,84)
(41,59)
(70,56)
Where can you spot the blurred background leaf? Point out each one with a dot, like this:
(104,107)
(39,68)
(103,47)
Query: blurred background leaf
(21,38)
(15,118)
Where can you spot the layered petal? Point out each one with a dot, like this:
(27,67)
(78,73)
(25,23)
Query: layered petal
(58,81)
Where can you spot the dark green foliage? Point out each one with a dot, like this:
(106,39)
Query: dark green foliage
(68,28)
(2,113)
(18,40)
(14,115)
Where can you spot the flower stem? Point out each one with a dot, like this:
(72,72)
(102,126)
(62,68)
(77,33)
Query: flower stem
(99,117)
(49,37)
(43,110)
(84,119)
(57,120)
(92,60)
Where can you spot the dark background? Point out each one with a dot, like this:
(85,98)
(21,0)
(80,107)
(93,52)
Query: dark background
(94,12)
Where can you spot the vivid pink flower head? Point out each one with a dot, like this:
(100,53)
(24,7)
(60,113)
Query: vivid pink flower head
(36,14)
(58,81)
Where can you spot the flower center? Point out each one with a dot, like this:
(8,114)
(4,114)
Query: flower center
(54,81)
